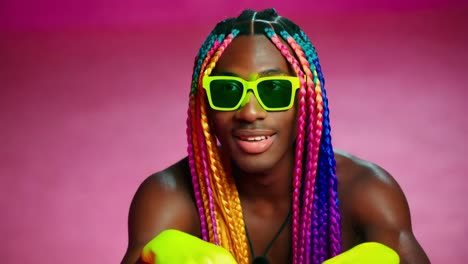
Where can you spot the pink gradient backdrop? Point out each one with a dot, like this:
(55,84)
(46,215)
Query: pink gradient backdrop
(93,99)
(52,14)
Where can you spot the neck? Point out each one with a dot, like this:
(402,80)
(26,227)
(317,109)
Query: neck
(268,187)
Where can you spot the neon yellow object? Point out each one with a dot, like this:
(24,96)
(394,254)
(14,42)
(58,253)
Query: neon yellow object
(176,247)
(228,93)
(366,253)
(173,246)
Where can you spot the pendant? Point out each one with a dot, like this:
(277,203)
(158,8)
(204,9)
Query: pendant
(260,260)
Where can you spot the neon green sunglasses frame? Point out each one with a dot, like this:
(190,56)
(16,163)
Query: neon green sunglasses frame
(251,85)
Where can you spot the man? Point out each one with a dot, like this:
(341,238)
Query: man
(261,178)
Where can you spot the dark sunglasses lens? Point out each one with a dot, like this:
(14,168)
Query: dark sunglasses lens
(226,93)
(275,93)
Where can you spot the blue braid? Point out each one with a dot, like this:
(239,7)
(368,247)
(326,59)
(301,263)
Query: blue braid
(269,32)
(321,206)
(326,150)
(221,37)
(199,60)
(326,147)
(308,44)
(202,53)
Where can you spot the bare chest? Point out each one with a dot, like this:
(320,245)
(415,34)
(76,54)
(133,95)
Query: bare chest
(270,242)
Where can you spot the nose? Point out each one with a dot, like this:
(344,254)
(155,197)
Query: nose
(250,110)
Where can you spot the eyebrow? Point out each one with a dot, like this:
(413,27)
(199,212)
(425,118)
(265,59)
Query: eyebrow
(269,72)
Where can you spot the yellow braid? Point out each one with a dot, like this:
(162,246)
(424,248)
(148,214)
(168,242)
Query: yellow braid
(200,173)
(318,92)
(218,195)
(231,221)
(223,192)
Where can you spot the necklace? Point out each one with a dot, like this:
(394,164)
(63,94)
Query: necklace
(262,259)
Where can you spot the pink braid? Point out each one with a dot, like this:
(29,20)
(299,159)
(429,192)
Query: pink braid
(313,144)
(196,185)
(200,169)
(201,143)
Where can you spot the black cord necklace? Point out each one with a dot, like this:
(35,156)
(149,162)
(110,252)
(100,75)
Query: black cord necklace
(262,259)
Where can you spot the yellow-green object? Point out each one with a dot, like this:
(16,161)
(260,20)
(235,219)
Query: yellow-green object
(366,253)
(176,247)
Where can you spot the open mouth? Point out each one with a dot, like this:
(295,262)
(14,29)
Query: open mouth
(253,139)
(254,144)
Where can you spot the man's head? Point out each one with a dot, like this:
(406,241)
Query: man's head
(258,129)
(254,138)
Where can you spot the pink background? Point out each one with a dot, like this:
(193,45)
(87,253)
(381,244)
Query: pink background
(93,99)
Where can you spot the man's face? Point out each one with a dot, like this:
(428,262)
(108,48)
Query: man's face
(256,140)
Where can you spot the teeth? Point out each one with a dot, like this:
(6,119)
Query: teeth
(255,138)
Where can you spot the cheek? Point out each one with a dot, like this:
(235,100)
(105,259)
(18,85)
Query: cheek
(287,123)
(219,122)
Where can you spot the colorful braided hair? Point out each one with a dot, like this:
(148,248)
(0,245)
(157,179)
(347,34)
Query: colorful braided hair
(316,230)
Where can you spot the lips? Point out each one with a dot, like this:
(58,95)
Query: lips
(254,141)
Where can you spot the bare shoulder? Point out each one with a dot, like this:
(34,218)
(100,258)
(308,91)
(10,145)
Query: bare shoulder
(372,199)
(368,192)
(164,200)
(355,173)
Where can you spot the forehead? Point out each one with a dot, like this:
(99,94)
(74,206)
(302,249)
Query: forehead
(247,55)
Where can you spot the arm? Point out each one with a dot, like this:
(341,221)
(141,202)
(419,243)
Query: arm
(163,201)
(380,211)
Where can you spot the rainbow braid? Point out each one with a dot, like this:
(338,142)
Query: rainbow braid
(202,189)
(326,150)
(327,155)
(313,140)
(196,158)
(211,146)
(230,209)
(222,212)
(192,142)
(313,132)
(299,214)
(327,217)
(201,135)
(204,170)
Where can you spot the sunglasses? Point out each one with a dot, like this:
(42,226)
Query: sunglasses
(274,93)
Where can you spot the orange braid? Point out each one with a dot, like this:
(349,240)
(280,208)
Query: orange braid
(223,186)
(198,135)
(199,165)
(226,191)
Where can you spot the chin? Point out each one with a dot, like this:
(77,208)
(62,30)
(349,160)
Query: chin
(253,165)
